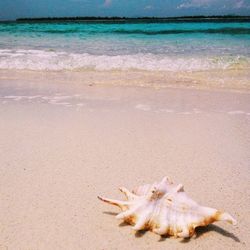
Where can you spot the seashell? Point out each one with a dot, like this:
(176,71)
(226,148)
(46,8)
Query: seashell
(165,209)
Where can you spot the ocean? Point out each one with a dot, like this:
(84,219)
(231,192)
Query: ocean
(163,46)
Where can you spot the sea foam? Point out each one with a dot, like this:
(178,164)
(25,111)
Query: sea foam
(56,61)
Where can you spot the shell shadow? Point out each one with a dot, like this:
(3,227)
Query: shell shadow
(123,224)
(139,234)
(203,230)
(163,237)
(110,213)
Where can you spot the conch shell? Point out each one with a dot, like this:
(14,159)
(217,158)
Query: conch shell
(165,209)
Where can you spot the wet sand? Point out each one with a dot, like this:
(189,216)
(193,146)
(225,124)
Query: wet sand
(228,79)
(62,145)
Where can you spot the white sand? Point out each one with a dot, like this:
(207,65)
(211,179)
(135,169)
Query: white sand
(56,159)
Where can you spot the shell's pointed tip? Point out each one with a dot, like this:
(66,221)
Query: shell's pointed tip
(158,231)
(100,198)
(227,217)
(127,193)
(119,216)
(138,227)
(103,199)
(180,188)
(167,179)
(233,221)
(122,189)
(184,234)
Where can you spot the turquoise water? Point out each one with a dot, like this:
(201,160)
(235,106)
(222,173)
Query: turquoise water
(176,46)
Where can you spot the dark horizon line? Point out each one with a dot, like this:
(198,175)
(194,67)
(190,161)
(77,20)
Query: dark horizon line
(114,18)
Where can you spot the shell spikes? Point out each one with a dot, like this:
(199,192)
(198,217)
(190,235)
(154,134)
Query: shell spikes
(165,209)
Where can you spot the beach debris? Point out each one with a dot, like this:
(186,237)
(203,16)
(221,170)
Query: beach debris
(165,209)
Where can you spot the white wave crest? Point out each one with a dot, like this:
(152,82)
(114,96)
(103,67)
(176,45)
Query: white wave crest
(56,61)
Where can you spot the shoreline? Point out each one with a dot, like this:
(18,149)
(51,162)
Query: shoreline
(235,80)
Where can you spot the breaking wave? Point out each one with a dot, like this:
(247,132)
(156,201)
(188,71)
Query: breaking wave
(56,61)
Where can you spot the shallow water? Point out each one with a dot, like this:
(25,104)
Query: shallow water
(171,46)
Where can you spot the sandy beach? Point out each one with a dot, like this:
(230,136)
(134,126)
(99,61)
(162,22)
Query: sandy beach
(62,145)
